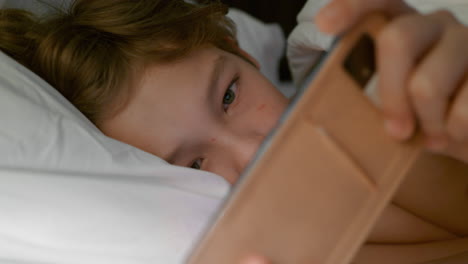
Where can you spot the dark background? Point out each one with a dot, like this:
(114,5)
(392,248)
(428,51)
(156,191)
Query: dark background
(283,12)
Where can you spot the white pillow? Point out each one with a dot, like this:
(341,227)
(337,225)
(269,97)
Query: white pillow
(265,42)
(69,194)
(306,42)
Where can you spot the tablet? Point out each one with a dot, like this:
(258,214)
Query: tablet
(320,181)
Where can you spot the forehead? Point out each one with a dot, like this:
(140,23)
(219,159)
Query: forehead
(183,76)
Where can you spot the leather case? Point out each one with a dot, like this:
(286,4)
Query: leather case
(321,180)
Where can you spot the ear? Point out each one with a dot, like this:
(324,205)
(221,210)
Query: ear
(243,53)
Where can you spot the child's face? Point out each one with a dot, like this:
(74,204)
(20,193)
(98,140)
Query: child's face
(210,110)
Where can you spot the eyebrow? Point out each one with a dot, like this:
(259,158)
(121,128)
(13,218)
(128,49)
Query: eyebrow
(214,76)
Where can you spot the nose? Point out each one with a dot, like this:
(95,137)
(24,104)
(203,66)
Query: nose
(237,150)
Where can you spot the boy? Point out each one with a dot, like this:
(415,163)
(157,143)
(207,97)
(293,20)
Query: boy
(194,99)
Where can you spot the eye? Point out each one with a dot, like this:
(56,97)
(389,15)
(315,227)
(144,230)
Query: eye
(230,94)
(196,164)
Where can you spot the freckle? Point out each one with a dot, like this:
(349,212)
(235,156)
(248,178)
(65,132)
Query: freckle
(213,140)
(261,107)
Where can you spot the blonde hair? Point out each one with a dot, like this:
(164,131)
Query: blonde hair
(92,52)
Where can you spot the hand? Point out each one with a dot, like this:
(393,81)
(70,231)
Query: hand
(340,15)
(255,259)
(423,70)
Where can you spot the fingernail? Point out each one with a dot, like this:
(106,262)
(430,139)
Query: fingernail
(398,129)
(436,143)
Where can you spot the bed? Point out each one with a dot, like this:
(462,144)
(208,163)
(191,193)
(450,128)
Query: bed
(69,194)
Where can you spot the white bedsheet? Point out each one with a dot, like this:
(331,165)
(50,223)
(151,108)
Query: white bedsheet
(68,194)
(56,217)
(112,204)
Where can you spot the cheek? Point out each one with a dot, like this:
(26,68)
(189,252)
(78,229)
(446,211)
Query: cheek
(267,112)
(261,107)
(265,103)
(271,103)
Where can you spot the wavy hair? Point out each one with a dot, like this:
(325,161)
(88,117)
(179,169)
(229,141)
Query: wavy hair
(92,52)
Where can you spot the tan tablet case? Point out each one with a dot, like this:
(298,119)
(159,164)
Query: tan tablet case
(320,182)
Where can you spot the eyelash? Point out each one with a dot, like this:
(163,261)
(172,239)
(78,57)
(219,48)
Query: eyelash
(197,164)
(230,88)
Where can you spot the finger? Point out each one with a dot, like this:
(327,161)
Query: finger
(458,116)
(340,15)
(432,85)
(445,17)
(255,259)
(399,47)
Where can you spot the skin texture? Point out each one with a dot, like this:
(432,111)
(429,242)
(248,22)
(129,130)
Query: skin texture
(173,113)
(414,89)
(177,112)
